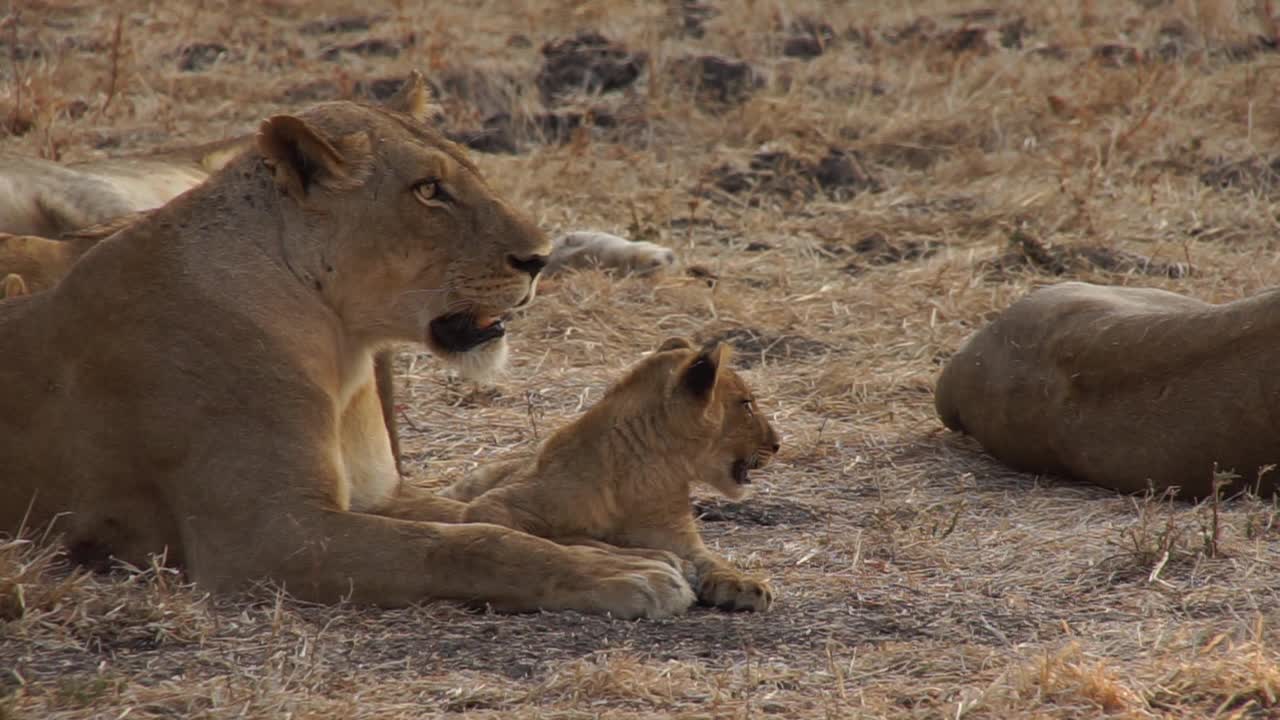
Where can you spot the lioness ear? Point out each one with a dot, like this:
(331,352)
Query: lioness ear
(301,158)
(675,343)
(12,286)
(414,98)
(701,374)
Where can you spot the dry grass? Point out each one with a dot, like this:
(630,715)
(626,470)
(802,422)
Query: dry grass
(917,577)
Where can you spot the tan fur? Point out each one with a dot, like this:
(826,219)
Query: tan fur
(590,249)
(621,474)
(202,383)
(1123,387)
(45,198)
(13,286)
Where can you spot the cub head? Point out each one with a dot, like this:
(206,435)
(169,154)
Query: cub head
(710,402)
(396,228)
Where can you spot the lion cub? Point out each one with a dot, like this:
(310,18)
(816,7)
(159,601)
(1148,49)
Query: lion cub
(621,473)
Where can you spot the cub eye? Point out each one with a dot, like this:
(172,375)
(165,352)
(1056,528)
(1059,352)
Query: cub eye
(429,192)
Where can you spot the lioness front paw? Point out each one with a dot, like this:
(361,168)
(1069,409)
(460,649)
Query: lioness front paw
(628,587)
(733,591)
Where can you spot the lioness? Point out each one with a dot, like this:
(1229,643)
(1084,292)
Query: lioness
(621,473)
(1123,387)
(201,381)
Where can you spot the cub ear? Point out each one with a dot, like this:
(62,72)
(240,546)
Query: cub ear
(12,286)
(303,158)
(414,98)
(674,343)
(701,374)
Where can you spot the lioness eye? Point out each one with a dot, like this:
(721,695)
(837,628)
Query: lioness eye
(746,405)
(428,191)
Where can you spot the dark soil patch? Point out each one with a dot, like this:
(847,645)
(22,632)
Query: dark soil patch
(373,47)
(587,62)
(982,31)
(717,79)
(757,511)
(1116,55)
(876,249)
(692,16)
(344,24)
(1254,174)
(807,38)
(505,133)
(198,56)
(752,346)
(1028,253)
(840,174)
(480,92)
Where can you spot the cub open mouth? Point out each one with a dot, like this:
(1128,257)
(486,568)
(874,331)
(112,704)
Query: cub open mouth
(739,472)
(461,332)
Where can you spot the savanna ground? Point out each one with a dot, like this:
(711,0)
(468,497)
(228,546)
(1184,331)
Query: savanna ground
(875,182)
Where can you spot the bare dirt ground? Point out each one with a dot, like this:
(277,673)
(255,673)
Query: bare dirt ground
(853,188)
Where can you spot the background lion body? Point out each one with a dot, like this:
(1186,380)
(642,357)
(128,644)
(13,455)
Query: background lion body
(48,199)
(1122,387)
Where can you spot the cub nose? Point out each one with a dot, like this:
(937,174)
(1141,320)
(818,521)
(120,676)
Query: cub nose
(531,264)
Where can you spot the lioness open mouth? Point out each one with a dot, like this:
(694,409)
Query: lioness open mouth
(462,332)
(739,472)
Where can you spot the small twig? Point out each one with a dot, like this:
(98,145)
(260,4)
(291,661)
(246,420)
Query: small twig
(13,21)
(113,78)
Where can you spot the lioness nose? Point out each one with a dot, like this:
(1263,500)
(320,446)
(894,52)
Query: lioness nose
(777,446)
(532,264)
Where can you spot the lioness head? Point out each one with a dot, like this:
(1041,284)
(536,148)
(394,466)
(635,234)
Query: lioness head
(395,227)
(710,402)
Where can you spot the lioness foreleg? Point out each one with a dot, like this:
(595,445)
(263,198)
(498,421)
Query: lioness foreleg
(327,555)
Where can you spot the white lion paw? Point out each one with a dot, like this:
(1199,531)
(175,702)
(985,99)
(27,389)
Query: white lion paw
(592,249)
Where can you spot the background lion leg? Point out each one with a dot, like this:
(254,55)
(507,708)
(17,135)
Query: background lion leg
(411,502)
(386,386)
(329,555)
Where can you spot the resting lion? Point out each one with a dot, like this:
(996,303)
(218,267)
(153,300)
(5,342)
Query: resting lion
(201,382)
(621,473)
(1123,387)
(48,199)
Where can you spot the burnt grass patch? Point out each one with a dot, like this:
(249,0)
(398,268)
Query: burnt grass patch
(1027,253)
(839,174)
(756,511)
(753,346)
(587,62)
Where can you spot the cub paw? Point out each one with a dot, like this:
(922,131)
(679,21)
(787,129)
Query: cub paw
(734,592)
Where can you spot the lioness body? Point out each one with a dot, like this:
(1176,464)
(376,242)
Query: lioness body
(201,382)
(622,472)
(1123,387)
